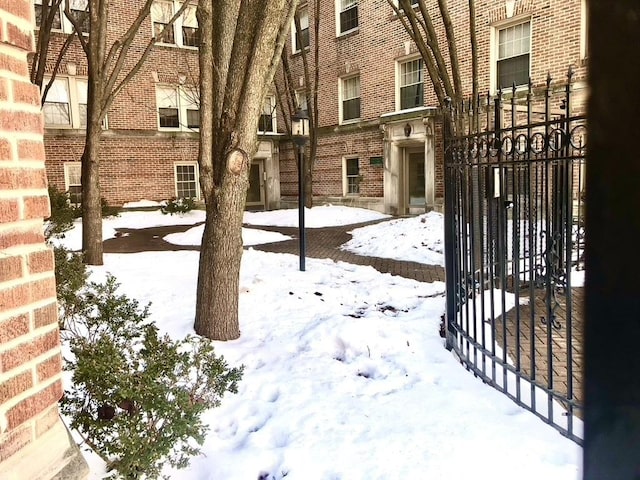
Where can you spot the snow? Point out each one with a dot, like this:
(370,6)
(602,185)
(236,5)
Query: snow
(142,204)
(250,236)
(316,217)
(416,239)
(345,374)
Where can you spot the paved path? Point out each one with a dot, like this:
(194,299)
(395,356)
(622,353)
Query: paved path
(321,243)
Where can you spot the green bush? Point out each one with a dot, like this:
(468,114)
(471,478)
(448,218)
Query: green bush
(108,210)
(178,206)
(71,276)
(63,213)
(136,397)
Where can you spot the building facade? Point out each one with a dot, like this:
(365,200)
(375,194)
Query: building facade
(150,137)
(380,126)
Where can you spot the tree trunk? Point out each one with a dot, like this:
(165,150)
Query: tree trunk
(91,199)
(241,44)
(220,259)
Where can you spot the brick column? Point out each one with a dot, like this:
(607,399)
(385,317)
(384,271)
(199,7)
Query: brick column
(34,444)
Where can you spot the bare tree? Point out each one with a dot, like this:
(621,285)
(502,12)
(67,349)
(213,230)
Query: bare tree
(445,77)
(111,64)
(288,98)
(48,18)
(241,43)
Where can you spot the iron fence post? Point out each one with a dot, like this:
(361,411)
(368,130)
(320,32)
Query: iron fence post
(449,230)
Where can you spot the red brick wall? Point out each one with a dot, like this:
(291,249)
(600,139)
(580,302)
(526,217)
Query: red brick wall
(30,365)
(373,50)
(133,166)
(137,160)
(141,165)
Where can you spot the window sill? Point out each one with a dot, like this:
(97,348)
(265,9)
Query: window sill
(299,52)
(405,110)
(351,121)
(348,33)
(175,45)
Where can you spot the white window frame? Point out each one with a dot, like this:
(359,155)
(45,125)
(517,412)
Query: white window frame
(414,4)
(197,177)
(184,100)
(271,101)
(339,8)
(178,34)
(73,86)
(584,30)
(345,176)
(294,44)
(301,99)
(494,57)
(398,79)
(68,174)
(342,98)
(65,25)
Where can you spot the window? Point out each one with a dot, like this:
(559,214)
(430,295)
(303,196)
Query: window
(347,15)
(187,183)
(184,30)
(78,9)
(351,178)
(82,86)
(177,108)
(72,181)
(57,105)
(300,40)
(66,103)
(57,19)
(301,100)
(414,3)
(411,84)
(267,122)
(513,52)
(161,14)
(350,102)
(190,33)
(80,12)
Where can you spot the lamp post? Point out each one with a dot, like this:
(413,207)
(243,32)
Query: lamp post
(300,135)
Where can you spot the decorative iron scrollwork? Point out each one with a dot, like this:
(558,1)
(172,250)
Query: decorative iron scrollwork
(552,275)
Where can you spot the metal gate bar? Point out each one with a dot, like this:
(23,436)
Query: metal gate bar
(514,235)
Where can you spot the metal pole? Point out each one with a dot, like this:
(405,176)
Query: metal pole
(612,302)
(301,203)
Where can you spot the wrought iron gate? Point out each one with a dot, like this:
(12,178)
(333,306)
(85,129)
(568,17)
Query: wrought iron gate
(514,236)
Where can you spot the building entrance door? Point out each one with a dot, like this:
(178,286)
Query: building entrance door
(415,191)
(255,194)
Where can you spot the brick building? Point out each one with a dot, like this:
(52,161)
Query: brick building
(380,139)
(150,138)
(380,135)
(34,443)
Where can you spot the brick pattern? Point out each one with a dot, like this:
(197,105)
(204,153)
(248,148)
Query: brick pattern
(137,160)
(30,368)
(373,50)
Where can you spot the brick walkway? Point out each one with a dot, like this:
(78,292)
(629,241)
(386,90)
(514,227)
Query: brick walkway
(537,343)
(321,243)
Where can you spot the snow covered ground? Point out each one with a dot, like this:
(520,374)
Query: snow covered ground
(345,376)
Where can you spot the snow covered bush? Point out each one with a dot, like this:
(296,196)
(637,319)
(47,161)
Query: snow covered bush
(63,213)
(178,206)
(136,396)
